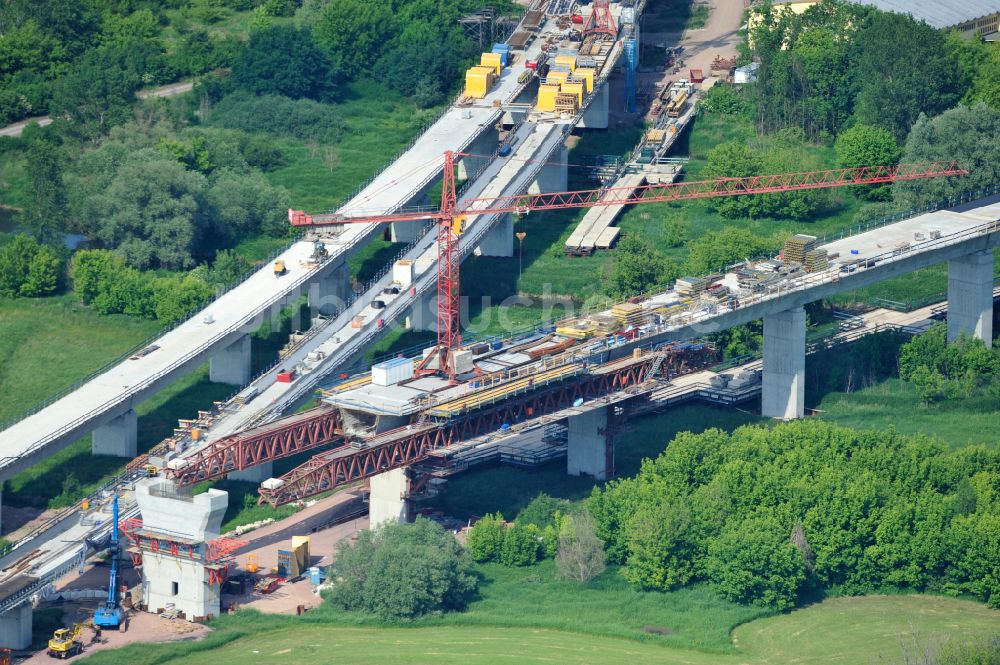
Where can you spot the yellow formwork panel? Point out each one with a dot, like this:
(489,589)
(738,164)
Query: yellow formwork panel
(491,60)
(566,60)
(588,76)
(478,82)
(547,97)
(556,76)
(575,89)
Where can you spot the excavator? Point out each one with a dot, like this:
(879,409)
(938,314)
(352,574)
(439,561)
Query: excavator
(67,642)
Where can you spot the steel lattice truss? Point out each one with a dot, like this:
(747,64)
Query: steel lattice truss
(288,436)
(601,21)
(347,464)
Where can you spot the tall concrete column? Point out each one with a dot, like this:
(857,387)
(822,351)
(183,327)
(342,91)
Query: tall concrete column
(554,176)
(783,390)
(587,444)
(423,315)
(387,501)
(232,364)
(118,437)
(15,628)
(478,153)
(329,294)
(596,115)
(405,231)
(257,474)
(499,241)
(970,297)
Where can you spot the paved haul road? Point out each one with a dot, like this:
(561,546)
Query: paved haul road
(163,91)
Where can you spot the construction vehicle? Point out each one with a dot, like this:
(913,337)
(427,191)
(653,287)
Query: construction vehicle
(111,615)
(279,268)
(320,252)
(152,471)
(66,642)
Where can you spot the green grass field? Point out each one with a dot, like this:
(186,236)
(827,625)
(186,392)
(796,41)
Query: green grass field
(894,403)
(842,631)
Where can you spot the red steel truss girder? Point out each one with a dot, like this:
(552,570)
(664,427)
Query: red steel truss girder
(678,191)
(346,464)
(282,438)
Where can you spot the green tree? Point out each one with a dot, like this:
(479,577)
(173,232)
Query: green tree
(401,571)
(282,60)
(969,136)
(15,263)
(355,33)
(717,249)
(44,271)
(91,270)
(754,561)
(486,538)
(522,545)
(178,296)
(864,145)
(660,553)
(45,209)
(129,292)
(637,267)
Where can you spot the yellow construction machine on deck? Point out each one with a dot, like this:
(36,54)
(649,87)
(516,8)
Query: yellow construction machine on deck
(67,642)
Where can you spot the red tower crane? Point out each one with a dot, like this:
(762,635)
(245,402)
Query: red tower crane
(600,21)
(451,219)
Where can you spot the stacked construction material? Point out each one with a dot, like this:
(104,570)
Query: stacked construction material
(689,286)
(605,324)
(797,246)
(577,329)
(816,260)
(566,102)
(478,81)
(630,314)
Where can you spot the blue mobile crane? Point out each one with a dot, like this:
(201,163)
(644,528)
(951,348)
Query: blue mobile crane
(111,615)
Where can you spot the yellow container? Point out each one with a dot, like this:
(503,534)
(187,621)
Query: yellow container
(556,76)
(478,81)
(547,97)
(576,89)
(491,60)
(567,60)
(588,76)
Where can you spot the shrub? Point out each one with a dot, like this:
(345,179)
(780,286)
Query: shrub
(521,545)
(486,538)
(28,268)
(303,119)
(581,554)
(401,571)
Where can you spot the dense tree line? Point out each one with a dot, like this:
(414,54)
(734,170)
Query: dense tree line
(940,370)
(770,515)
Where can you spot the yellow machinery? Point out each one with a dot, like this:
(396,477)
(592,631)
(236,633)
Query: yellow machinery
(152,470)
(279,268)
(66,642)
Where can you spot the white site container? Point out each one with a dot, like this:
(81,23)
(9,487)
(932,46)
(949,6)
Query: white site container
(272,483)
(392,371)
(402,273)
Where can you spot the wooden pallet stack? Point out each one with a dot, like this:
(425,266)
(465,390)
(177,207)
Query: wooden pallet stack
(630,314)
(816,260)
(690,287)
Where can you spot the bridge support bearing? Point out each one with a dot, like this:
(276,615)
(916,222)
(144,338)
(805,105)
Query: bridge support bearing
(232,364)
(587,443)
(554,176)
(970,297)
(500,239)
(118,437)
(387,501)
(256,474)
(783,389)
(596,115)
(178,579)
(329,294)
(15,628)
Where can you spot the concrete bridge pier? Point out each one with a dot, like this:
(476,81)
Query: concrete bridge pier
(478,153)
(119,436)
(15,628)
(783,389)
(587,441)
(387,500)
(554,176)
(329,294)
(596,115)
(256,474)
(500,239)
(232,364)
(423,314)
(970,297)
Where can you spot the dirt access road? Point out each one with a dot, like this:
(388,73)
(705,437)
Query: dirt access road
(720,36)
(163,91)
